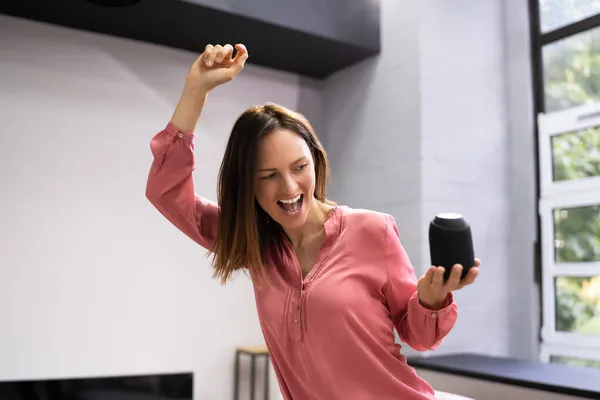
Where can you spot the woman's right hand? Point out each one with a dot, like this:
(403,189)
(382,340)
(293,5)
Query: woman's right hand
(216,65)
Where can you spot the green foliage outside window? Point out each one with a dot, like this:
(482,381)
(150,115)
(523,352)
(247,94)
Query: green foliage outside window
(572,78)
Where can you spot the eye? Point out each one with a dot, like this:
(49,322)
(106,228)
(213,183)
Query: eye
(268,177)
(301,167)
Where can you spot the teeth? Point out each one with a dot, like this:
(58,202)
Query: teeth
(290,201)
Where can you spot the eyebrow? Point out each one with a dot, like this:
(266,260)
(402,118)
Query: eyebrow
(275,169)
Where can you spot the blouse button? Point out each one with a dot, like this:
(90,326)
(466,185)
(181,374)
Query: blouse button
(180,134)
(433,314)
(297,321)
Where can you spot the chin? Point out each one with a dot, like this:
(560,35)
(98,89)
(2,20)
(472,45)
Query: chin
(293,214)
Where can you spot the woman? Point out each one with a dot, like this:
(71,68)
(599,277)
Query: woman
(330,282)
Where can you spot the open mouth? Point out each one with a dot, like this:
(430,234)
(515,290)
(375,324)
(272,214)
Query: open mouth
(291,206)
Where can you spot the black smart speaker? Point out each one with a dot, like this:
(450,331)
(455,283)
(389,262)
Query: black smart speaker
(450,243)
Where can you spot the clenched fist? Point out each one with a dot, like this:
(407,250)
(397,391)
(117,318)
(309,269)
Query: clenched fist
(216,65)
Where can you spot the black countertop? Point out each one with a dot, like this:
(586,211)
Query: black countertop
(557,378)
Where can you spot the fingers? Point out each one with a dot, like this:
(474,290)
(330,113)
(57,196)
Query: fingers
(207,51)
(241,56)
(427,278)
(241,50)
(471,275)
(429,275)
(438,277)
(454,279)
(210,56)
(224,54)
(470,278)
(217,54)
(435,277)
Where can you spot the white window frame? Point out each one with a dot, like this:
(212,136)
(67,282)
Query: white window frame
(581,192)
(548,350)
(553,124)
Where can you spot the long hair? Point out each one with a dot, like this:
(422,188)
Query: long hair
(245,230)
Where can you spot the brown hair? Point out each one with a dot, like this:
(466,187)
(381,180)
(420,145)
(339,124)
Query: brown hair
(245,230)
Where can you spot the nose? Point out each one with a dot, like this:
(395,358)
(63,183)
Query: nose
(289,185)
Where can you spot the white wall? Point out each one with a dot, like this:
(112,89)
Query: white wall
(440,121)
(465,154)
(93,280)
(372,127)
(523,297)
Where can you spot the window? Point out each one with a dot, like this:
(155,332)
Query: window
(555,14)
(575,361)
(576,155)
(569,209)
(566,40)
(572,71)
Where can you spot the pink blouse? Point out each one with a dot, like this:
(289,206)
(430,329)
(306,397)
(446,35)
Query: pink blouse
(331,334)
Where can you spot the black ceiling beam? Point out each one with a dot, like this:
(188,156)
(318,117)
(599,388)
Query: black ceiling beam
(311,38)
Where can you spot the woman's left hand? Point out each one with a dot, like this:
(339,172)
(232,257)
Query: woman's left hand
(432,289)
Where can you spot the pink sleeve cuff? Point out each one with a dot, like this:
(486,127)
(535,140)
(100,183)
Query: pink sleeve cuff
(173,131)
(447,307)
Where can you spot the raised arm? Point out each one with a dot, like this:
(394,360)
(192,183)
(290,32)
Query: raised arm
(170,185)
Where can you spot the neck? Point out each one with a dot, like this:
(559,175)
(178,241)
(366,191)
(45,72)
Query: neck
(314,226)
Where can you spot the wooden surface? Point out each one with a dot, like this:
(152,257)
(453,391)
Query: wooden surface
(254,350)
